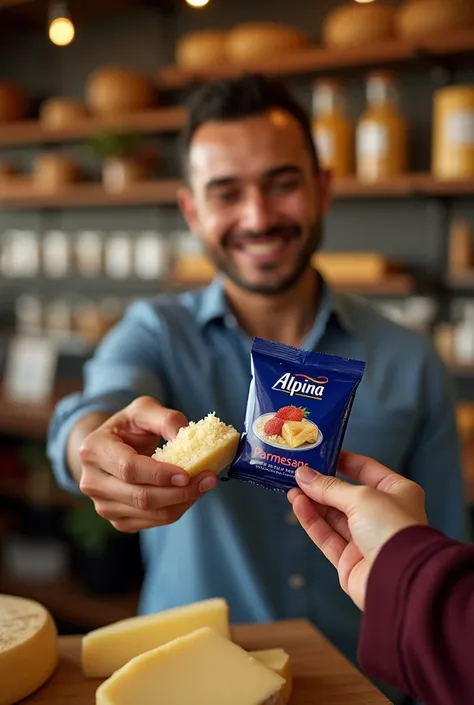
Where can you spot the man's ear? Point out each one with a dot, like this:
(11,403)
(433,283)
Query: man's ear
(324,184)
(188,207)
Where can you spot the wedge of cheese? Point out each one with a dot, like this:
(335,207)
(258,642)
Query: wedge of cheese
(201,668)
(28,648)
(279,661)
(209,444)
(109,648)
(295,433)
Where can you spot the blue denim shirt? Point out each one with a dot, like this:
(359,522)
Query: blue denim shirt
(240,541)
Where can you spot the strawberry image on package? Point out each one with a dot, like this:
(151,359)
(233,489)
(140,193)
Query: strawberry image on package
(297,411)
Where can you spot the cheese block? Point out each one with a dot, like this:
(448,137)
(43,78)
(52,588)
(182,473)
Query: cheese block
(352,266)
(112,90)
(209,444)
(201,50)
(295,433)
(422,18)
(355,24)
(61,113)
(279,661)
(52,171)
(28,648)
(259,41)
(201,668)
(109,648)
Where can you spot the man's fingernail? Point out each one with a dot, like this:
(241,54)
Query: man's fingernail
(206,484)
(305,474)
(180,480)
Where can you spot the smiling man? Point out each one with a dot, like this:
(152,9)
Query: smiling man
(255,196)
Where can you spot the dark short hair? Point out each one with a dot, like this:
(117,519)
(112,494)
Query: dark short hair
(231,99)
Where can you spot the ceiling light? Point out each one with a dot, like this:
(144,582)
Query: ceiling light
(197,3)
(61,29)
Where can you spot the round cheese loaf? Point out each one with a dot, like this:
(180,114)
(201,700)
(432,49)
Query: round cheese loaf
(28,648)
(52,171)
(420,18)
(201,50)
(353,25)
(111,90)
(58,113)
(13,102)
(259,41)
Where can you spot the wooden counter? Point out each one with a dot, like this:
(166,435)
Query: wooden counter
(321,674)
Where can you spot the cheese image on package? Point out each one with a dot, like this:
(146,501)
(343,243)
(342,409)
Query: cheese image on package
(298,407)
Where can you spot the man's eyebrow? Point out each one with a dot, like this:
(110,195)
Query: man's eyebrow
(280,170)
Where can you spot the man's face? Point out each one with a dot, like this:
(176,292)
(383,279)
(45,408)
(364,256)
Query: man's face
(255,200)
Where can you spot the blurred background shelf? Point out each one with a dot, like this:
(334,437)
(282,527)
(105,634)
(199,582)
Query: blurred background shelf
(68,602)
(319,59)
(30,132)
(163,192)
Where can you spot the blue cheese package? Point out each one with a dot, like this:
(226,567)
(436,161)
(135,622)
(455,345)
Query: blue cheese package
(297,411)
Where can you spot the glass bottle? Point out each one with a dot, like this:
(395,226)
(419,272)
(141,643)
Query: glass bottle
(382,134)
(332,130)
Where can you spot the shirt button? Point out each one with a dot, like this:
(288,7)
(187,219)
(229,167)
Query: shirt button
(296,581)
(291,519)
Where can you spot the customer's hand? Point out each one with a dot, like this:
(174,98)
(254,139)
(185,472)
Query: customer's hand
(129,488)
(351,523)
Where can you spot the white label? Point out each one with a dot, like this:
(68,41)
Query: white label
(151,256)
(460,128)
(372,140)
(56,254)
(89,253)
(22,256)
(31,369)
(324,140)
(118,257)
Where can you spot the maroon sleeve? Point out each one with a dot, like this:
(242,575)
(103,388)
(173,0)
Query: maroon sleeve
(418,625)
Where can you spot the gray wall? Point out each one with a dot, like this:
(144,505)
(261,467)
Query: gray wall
(410,229)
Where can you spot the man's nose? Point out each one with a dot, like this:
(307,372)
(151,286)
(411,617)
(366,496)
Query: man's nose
(256,214)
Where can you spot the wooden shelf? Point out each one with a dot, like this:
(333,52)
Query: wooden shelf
(320,59)
(146,122)
(93,195)
(31,420)
(163,192)
(66,601)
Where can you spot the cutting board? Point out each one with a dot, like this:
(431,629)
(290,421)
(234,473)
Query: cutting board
(322,676)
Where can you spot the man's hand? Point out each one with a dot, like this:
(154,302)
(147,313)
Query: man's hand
(351,523)
(129,488)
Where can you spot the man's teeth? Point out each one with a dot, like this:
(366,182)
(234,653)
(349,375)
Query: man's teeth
(263,248)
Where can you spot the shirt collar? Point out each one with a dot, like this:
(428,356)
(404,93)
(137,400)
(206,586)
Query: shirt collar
(214,306)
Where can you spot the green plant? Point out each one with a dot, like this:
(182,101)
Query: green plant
(109,144)
(87,529)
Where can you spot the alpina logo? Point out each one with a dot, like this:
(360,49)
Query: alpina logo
(301,385)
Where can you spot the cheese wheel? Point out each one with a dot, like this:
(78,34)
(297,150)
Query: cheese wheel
(28,648)
(52,171)
(420,18)
(59,113)
(13,102)
(201,50)
(352,25)
(262,40)
(111,90)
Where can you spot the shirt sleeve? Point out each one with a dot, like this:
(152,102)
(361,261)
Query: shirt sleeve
(434,461)
(418,624)
(125,365)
